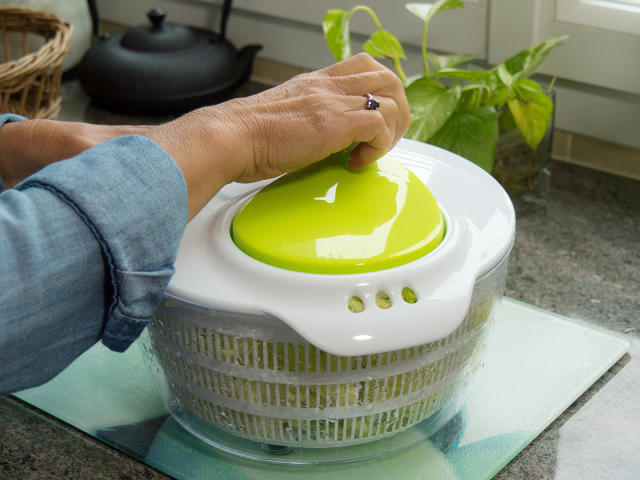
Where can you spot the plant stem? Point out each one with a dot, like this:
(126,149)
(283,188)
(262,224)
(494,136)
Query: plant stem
(395,59)
(425,60)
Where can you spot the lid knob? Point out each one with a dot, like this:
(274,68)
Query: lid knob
(159,36)
(156,16)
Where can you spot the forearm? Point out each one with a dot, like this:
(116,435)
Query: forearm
(26,147)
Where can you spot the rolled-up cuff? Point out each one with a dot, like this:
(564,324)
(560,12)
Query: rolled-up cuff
(133,197)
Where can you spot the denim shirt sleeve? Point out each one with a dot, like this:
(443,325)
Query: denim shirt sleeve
(88,246)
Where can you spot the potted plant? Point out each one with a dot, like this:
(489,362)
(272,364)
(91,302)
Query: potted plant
(495,117)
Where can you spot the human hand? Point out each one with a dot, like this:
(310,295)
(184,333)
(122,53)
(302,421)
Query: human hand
(323,112)
(287,127)
(26,147)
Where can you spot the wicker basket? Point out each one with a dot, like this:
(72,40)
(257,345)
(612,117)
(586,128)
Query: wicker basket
(30,79)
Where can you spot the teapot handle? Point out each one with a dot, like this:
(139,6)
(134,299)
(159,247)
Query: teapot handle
(226,10)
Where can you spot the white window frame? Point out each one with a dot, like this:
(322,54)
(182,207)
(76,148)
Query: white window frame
(617,16)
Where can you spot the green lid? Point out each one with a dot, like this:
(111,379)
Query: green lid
(330,219)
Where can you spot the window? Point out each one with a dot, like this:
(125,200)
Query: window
(621,16)
(598,67)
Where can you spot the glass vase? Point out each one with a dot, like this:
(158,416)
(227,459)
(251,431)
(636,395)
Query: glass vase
(524,172)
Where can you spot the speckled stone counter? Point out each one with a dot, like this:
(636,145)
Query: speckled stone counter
(578,256)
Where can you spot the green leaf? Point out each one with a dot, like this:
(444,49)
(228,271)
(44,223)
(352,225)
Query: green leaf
(431,104)
(367,47)
(505,75)
(507,123)
(499,96)
(469,75)
(420,10)
(472,96)
(426,11)
(498,91)
(492,80)
(523,64)
(512,67)
(383,44)
(447,61)
(413,78)
(336,33)
(531,110)
(472,134)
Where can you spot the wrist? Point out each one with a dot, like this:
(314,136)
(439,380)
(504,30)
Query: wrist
(210,148)
(10,137)
(26,147)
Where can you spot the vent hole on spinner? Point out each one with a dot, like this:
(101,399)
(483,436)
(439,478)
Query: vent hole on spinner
(355,305)
(383,300)
(409,296)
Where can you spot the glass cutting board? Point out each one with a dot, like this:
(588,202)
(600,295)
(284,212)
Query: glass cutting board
(537,364)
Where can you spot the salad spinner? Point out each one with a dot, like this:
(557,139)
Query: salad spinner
(334,308)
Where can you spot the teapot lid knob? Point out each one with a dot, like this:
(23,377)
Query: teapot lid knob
(156,16)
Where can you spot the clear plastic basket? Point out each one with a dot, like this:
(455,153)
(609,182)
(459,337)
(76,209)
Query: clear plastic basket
(253,376)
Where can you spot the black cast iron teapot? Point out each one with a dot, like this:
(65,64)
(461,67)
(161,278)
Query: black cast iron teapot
(161,67)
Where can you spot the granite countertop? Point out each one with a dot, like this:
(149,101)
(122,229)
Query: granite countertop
(578,255)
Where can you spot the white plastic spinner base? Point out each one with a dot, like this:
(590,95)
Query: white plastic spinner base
(212,272)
